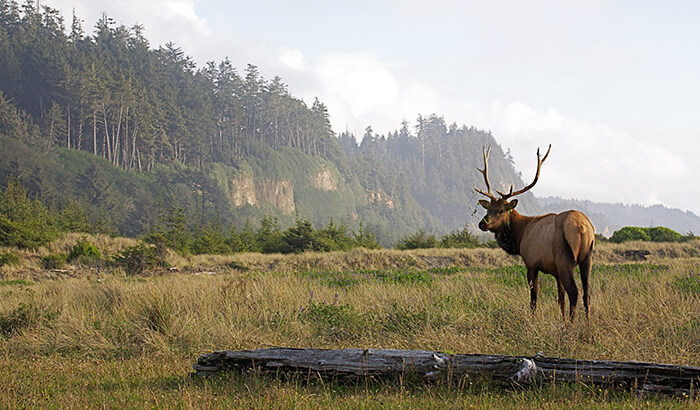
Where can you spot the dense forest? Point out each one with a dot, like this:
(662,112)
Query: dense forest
(105,123)
(103,126)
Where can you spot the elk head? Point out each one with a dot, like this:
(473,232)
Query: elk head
(498,210)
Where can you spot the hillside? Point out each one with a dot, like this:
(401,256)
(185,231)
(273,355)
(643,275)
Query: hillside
(127,133)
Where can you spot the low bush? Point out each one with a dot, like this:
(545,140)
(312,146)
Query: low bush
(53,261)
(176,233)
(630,233)
(459,239)
(139,258)
(419,240)
(654,234)
(9,258)
(84,250)
(24,222)
(663,234)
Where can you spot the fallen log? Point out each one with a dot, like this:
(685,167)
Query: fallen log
(637,254)
(353,364)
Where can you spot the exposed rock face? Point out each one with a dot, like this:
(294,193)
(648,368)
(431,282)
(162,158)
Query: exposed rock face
(278,193)
(378,197)
(325,180)
(243,191)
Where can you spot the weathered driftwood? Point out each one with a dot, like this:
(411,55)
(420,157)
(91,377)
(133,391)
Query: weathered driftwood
(505,370)
(637,254)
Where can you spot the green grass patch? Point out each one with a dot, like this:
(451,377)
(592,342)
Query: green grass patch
(688,284)
(511,276)
(15,282)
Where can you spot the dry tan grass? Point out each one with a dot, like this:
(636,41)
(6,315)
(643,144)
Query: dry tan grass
(164,320)
(636,315)
(605,253)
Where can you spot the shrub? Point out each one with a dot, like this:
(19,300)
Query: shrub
(333,238)
(663,234)
(419,240)
(459,239)
(24,222)
(84,250)
(364,238)
(630,233)
(9,258)
(209,240)
(299,237)
(74,218)
(269,237)
(140,257)
(53,261)
(655,234)
(176,235)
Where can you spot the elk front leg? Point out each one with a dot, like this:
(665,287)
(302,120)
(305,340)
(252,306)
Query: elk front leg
(532,282)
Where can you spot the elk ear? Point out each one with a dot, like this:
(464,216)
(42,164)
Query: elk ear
(511,204)
(486,204)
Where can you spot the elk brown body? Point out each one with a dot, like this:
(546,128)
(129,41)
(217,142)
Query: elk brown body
(552,243)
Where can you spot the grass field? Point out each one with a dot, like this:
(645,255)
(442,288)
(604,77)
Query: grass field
(92,336)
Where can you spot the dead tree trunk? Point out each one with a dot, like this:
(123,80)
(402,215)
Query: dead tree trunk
(353,364)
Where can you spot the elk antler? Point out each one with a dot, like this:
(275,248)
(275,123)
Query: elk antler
(485,173)
(537,175)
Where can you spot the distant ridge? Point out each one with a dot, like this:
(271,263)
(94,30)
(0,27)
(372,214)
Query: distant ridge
(607,217)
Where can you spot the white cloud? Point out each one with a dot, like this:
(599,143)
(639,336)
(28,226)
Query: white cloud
(165,20)
(588,160)
(292,58)
(362,81)
(182,11)
(358,89)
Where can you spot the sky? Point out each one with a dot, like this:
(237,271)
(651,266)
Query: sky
(614,86)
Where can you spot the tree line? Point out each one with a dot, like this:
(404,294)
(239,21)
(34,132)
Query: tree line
(103,122)
(110,94)
(27,223)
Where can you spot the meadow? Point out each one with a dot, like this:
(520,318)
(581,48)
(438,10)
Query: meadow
(91,335)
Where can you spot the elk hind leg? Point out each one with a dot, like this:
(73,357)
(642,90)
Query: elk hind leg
(561,292)
(566,284)
(585,268)
(532,283)
(567,280)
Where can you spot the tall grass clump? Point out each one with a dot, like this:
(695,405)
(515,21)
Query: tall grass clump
(9,258)
(53,261)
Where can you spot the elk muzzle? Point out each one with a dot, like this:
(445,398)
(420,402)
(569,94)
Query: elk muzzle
(483,224)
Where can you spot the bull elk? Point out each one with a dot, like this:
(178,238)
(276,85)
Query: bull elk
(552,243)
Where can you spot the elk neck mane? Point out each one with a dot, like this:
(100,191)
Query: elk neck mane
(506,239)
